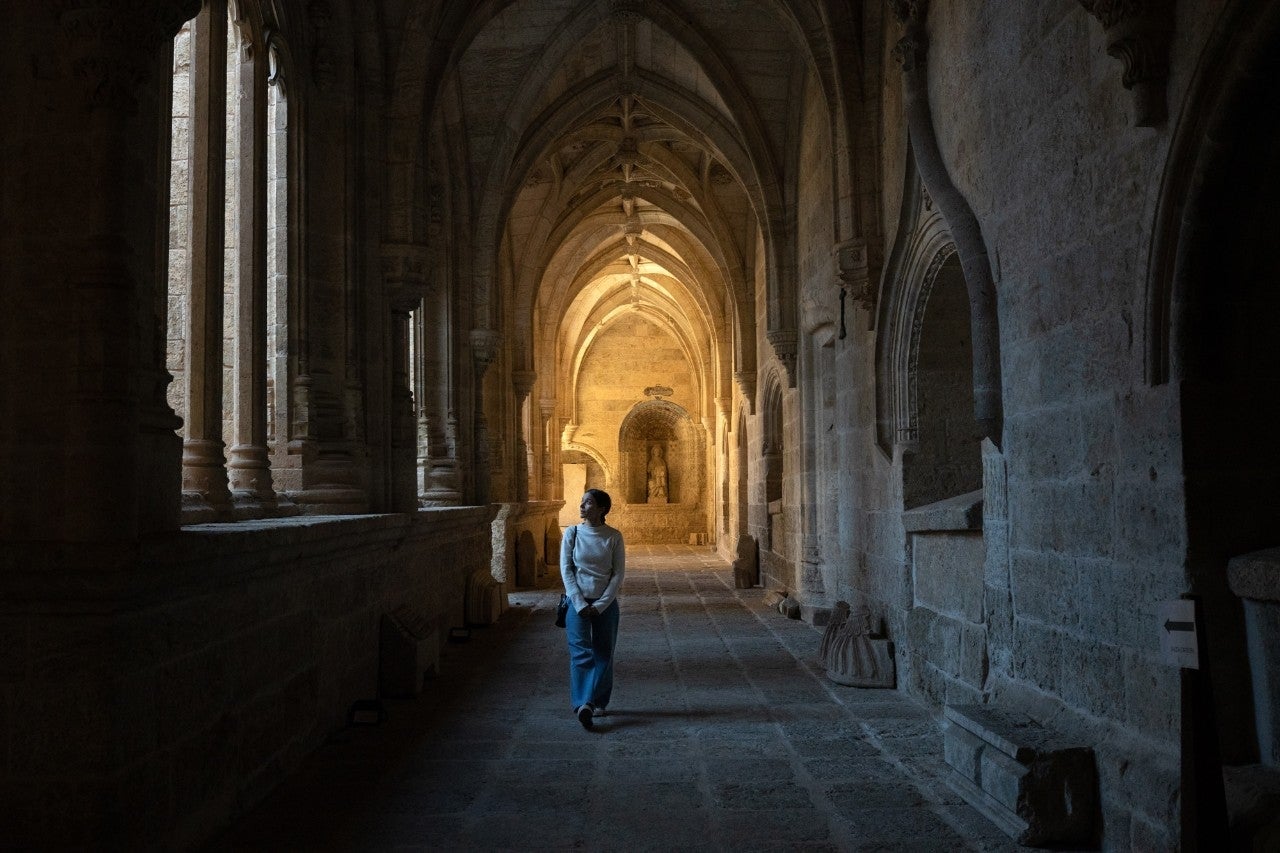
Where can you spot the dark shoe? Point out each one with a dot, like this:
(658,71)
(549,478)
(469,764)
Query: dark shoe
(584,716)
(598,712)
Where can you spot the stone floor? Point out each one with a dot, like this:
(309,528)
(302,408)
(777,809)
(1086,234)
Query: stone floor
(723,735)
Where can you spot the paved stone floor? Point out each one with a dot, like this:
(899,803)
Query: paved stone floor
(723,735)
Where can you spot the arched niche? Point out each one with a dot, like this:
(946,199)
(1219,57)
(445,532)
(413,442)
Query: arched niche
(663,428)
(944,455)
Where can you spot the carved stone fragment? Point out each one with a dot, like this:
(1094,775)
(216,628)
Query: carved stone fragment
(1138,34)
(852,657)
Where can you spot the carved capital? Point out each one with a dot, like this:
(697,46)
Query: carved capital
(112,44)
(785,347)
(547,408)
(485,344)
(405,266)
(746,380)
(522,382)
(1138,34)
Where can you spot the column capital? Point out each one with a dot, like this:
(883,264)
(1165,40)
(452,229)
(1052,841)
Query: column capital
(785,345)
(485,344)
(522,381)
(1138,34)
(746,380)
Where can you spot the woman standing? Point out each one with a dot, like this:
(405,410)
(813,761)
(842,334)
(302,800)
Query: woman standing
(592,561)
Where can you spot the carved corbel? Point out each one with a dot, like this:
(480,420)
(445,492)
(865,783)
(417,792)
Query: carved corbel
(746,380)
(485,344)
(785,346)
(1138,34)
(853,268)
(522,382)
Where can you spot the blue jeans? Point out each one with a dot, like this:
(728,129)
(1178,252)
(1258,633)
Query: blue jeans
(591,642)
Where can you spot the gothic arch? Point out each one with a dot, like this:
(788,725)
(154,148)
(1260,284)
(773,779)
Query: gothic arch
(922,245)
(1232,88)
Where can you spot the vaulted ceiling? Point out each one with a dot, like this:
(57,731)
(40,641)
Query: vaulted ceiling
(625,155)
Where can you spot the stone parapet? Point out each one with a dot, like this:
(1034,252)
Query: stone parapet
(173,683)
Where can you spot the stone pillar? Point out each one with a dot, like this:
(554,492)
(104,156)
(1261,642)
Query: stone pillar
(250,460)
(205,492)
(404,273)
(547,410)
(484,351)
(522,383)
(87,443)
(437,426)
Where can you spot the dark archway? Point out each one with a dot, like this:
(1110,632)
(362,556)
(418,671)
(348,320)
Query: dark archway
(1216,284)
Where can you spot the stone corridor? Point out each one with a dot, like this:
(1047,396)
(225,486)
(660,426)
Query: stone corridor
(723,735)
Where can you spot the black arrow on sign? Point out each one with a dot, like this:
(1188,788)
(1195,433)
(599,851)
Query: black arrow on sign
(1170,625)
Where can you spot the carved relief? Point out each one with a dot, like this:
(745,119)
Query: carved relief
(1138,34)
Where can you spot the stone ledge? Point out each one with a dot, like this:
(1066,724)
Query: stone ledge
(1256,575)
(96,576)
(963,513)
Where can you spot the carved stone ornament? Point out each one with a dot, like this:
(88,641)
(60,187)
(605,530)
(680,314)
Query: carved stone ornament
(522,382)
(111,44)
(658,391)
(1138,34)
(784,343)
(854,271)
(485,344)
(912,48)
(746,380)
(405,265)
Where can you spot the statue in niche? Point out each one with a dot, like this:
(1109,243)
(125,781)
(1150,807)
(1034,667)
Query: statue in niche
(850,654)
(657,476)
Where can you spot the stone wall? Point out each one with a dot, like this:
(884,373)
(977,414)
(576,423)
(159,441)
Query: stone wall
(536,524)
(153,692)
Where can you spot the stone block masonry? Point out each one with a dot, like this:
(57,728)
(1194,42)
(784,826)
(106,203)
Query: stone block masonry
(156,691)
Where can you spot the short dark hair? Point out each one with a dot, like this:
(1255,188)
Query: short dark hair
(602,499)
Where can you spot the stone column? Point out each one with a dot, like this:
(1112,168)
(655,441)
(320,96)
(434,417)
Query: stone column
(87,443)
(547,410)
(250,460)
(522,383)
(484,351)
(205,492)
(404,273)
(437,427)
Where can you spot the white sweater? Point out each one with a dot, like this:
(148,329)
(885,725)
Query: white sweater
(595,567)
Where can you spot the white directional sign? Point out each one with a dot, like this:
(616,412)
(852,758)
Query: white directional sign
(1178,644)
